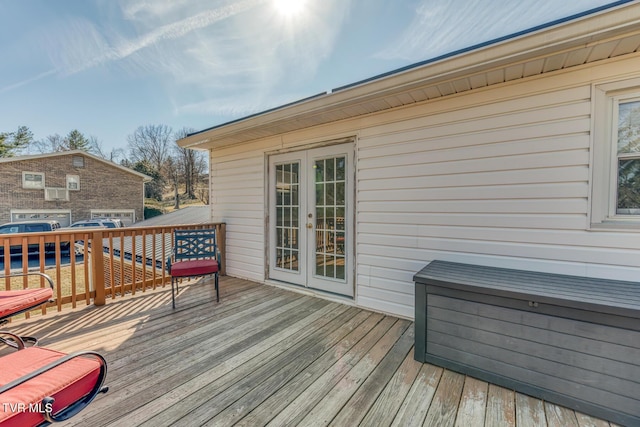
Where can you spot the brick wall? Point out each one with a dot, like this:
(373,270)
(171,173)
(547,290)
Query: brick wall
(102,186)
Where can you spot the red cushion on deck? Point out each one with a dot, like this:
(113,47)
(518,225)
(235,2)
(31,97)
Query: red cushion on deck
(195,267)
(14,301)
(66,383)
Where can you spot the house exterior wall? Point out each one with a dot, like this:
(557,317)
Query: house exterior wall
(498,176)
(101,187)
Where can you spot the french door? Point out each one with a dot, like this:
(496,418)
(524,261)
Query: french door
(311,218)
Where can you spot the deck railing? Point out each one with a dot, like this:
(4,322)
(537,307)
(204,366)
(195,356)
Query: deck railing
(90,266)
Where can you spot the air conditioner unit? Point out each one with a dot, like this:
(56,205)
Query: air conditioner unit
(53,194)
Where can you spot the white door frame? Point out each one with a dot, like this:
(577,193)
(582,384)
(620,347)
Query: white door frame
(301,271)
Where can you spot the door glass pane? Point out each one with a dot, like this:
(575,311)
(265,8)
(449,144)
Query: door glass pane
(287,211)
(330,210)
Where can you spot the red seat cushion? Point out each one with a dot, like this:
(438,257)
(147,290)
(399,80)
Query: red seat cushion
(14,301)
(194,267)
(66,383)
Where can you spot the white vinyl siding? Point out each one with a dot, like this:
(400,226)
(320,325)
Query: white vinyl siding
(237,198)
(498,176)
(484,184)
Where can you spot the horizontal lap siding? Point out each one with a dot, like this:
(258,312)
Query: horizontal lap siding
(496,176)
(237,198)
(476,184)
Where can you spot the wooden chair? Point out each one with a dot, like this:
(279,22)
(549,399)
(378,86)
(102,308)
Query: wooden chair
(195,254)
(18,301)
(39,386)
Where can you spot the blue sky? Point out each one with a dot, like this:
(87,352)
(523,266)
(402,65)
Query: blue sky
(105,67)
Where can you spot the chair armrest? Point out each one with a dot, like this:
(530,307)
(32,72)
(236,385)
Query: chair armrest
(13,339)
(33,273)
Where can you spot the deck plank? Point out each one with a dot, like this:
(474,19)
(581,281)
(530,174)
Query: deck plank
(558,416)
(350,349)
(443,408)
(473,402)
(324,412)
(385,408)
(501,407)
(414,409)
(529,411)
(295,411)
(587,421)
(318,353)
(265,355)
(365,396)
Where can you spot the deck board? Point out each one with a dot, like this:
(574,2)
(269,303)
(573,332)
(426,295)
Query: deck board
(268,356)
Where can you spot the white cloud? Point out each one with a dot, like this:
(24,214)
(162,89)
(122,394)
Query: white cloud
(443,26)
(233,55)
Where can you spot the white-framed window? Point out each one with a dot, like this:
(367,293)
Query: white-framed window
(33,180)
(615,197)
(73,182)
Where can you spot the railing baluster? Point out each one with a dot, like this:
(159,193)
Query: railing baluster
(72,261)
(143,259)
(97,267)
(86,260)
(154,260)
(121,263)
(112,281)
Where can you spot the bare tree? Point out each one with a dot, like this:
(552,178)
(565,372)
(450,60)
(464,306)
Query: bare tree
(171,170)
(152,144)
(115,155)
(193,164)
(50,144)
(74,140)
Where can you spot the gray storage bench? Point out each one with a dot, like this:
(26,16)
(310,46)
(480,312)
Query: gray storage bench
(571,340)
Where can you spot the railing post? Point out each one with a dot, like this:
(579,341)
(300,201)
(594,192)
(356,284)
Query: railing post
(97,268)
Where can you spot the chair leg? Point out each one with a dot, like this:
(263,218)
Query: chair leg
(173,297)
(217,289)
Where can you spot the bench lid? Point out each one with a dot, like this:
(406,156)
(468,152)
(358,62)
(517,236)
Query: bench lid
(587,293)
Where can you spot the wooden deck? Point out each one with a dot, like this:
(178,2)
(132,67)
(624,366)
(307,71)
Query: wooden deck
(266,356)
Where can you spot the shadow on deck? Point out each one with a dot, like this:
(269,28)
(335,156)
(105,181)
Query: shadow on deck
(264,355)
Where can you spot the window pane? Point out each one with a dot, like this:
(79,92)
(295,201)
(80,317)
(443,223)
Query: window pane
(287,212)
(629,127)
(340,168)
(628,187)
(330,175)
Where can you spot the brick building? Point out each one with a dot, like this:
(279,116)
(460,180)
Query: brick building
(69,186)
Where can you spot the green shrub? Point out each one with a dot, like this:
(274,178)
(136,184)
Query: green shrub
(150,212)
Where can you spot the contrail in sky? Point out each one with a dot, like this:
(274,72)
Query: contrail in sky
(166,32)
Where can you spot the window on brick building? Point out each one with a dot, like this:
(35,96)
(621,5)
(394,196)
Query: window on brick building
(78,161)
(33,180)
(73,182)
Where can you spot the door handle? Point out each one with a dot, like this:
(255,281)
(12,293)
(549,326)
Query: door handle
(309,225)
